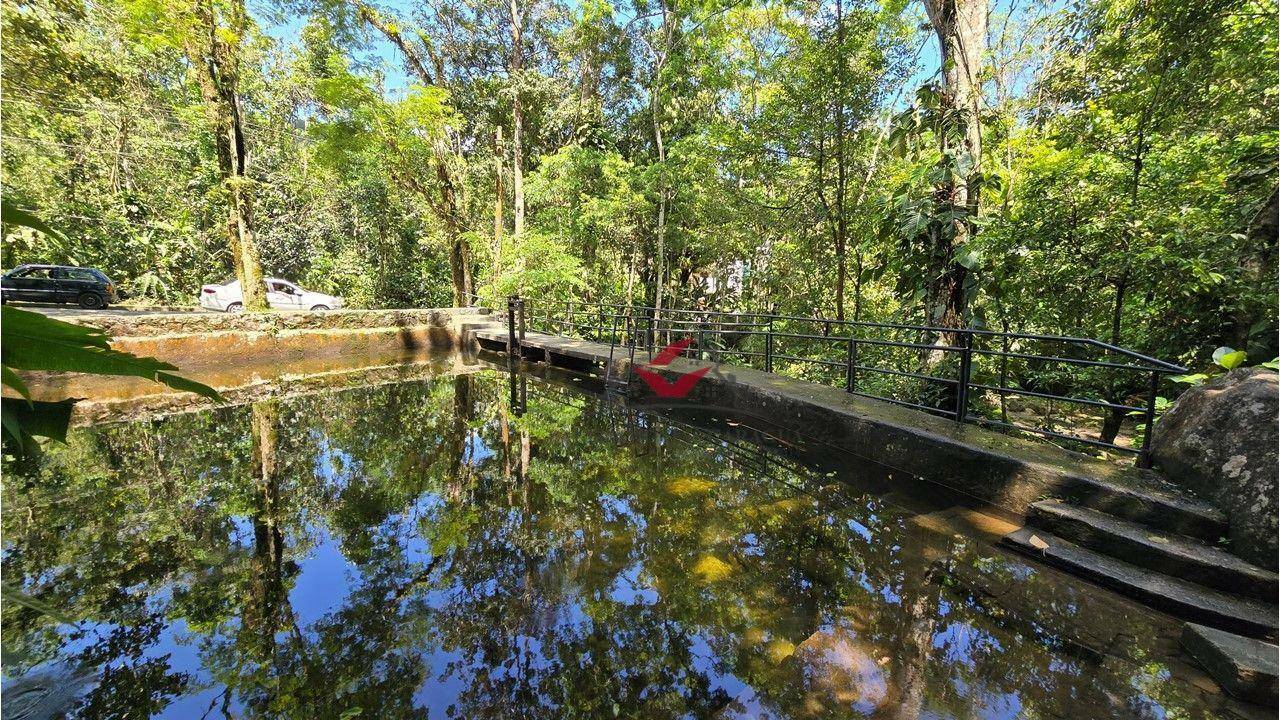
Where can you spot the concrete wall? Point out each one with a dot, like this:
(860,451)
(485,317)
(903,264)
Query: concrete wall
(198,340)
(230,351)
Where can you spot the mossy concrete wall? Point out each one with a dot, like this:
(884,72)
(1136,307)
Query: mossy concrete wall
(196,340)
(223,350)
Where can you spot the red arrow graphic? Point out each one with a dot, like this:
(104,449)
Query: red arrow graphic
(670,352)
(683,385)
(678,389)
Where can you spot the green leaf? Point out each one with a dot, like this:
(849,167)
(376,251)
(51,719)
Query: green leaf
(11,379)
(1228,358)
(968,258)
(31,341)
(10,594)
(12,428)
(1271,364)
(11,214)
(1192,379)
(177,382)
(45,419)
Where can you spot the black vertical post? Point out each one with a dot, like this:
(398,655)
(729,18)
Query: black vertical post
(966,367)
(631,341)
(523,404)
(1144,456)
(717,339)
(613,334)
(521,307)
(650,331)
(511,326)
(768,346)
(851,362)
(600,323)
(513,385)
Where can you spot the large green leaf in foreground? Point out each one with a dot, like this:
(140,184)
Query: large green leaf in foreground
(31,341)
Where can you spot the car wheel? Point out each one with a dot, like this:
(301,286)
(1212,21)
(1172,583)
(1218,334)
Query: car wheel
(318,308)
(91,301)
(235,307)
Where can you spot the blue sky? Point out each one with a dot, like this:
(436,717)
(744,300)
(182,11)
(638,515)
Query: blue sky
(379,52)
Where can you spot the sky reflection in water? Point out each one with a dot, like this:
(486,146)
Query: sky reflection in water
(419,550)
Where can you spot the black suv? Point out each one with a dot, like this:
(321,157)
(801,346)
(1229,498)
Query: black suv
(58,284)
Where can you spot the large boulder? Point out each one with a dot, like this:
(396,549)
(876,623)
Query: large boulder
(1219,442)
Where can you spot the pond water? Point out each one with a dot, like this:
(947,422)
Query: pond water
(427,549)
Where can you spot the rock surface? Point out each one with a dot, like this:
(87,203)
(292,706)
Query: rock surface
(1245,667)
(1219,441)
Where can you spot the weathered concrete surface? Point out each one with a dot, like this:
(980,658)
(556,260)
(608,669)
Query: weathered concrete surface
(1168,553)
(131,399)
(1219,441)
(1245,667)
(184,323)
(196,341)
(990,468)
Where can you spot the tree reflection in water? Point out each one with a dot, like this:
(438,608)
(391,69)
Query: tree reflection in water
(427,550)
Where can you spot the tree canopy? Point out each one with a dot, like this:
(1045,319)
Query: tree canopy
(1101,168)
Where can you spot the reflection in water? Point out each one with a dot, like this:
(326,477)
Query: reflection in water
(471,547)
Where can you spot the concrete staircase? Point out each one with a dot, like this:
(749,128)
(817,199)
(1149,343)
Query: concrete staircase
(1168,563)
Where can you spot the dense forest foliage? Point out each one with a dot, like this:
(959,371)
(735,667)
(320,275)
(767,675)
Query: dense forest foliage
(1102,168)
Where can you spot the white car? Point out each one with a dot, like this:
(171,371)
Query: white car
(281,295)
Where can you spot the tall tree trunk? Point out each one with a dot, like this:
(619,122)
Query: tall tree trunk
(446,204)
(842,222)
(263,605)
(661,228)
(497,212)
(517,118)
(961,27)
(1114,418)
(1116,390)
(655,109)
(459,255)
(216,54)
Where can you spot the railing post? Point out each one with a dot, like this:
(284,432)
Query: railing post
(1144,456)
(511,327)
(966,367)
(613,336)
(851,363)
(631,340)
(650,331)
(629,327)
(768,346)
(600,323)
(523,316)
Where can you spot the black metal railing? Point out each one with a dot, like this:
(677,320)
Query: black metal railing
(966,374)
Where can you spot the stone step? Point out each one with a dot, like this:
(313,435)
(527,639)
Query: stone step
(1246,616)
(1182,557)
(1245,667)
(1151,504)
